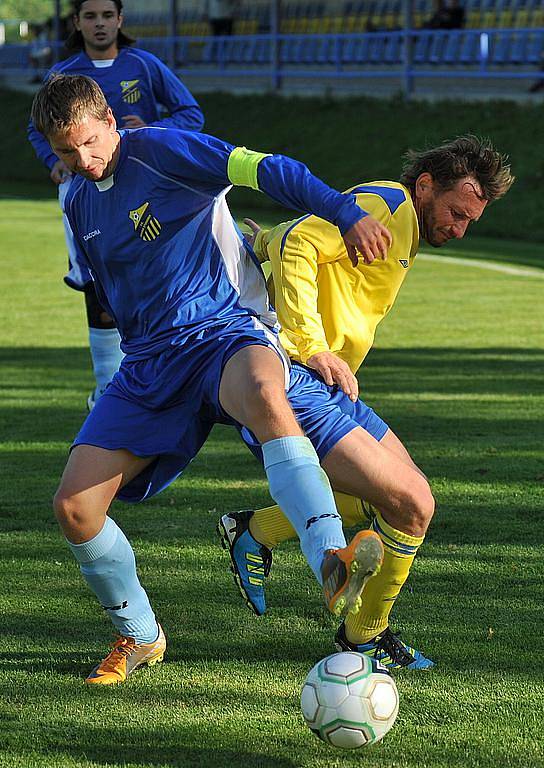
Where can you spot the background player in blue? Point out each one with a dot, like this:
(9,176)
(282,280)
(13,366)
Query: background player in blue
(148,210)
(135,83)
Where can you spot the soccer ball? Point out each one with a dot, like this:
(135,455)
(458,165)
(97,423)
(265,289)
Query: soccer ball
(349,700)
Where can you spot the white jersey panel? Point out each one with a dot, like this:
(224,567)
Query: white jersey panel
(244,274)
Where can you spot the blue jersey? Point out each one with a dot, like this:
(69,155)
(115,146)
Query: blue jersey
(161,245)
(135,83)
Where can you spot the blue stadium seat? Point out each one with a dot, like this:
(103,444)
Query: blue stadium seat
(422,48)
(535,47)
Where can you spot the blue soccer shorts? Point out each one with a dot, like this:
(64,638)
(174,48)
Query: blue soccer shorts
(325,413)
(165,406)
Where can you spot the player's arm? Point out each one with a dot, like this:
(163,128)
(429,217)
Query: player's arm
(211,165)
(290,183)
(58,169)
(294,260)
(44,152)
(259,238)
(185,113)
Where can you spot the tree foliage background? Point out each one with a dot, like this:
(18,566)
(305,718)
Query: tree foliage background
(30,10)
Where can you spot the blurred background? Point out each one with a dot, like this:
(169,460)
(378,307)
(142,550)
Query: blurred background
(475,48)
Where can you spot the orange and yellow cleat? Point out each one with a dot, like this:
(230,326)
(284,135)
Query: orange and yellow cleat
(125,656)
(346,571)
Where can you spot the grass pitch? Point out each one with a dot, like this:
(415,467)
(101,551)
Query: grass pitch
(457,372)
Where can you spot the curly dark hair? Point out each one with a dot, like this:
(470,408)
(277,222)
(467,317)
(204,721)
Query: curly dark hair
(453,160)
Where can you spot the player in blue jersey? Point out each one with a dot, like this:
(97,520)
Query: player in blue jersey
(135,83)
(147,209)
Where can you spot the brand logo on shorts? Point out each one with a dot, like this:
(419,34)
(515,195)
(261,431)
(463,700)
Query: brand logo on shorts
(145,224)
(89,235)
(130,92)
(404,263)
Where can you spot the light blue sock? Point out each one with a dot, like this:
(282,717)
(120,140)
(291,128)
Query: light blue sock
(108,566)
(302,490)
(106,355)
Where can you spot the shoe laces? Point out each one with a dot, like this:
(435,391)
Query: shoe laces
(121,649)
(393,646)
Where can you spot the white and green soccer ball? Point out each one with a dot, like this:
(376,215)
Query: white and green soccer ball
(349,700)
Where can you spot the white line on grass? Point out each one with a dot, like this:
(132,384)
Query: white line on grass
(494,266)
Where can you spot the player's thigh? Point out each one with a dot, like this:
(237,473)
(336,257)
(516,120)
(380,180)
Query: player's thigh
(395,445)
(90,481)
(252,391)
(360,465)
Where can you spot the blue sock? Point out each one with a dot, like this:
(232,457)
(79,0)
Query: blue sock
(106,355)
(108,566)
(302,490)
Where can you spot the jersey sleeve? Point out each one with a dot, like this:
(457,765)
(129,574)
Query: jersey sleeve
(39,142)
(169,91)
(210,165)
(294,261)
(290,183)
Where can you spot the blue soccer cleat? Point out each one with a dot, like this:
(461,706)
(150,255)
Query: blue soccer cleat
(387,648)
(250,560)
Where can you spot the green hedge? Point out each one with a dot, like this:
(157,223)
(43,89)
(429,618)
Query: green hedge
(348,141)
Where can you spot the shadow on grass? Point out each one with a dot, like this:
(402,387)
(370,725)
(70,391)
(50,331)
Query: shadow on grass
(497,500)
(179,744)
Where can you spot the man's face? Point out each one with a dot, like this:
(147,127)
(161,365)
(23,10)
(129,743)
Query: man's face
(89,147)
(442,215)
(98,21)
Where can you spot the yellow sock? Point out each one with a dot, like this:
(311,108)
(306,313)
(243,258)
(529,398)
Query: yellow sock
(269,526)
(381,591)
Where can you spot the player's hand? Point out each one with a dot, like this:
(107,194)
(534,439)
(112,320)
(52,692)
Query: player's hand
(369,238)
(133,121)
(59,172)
(335,371)
(255,229)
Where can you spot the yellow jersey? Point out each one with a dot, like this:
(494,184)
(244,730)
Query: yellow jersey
(323,302)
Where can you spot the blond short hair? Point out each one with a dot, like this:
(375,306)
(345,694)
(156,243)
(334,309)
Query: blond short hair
(67,100)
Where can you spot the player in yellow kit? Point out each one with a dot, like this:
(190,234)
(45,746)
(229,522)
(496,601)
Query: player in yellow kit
(329,310)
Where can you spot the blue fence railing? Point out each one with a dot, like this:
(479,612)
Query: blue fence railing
(493,53)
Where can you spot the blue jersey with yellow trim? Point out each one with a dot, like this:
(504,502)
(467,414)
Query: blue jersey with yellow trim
(159,240)
(135,83)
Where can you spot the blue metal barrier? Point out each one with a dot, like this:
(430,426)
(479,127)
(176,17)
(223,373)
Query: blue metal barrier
(470,53)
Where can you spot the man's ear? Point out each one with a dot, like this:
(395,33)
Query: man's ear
(424,186)
(112,123)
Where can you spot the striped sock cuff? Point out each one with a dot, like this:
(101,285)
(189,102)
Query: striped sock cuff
(397,542)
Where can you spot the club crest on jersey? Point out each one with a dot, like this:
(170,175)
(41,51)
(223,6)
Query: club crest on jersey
(404,263)
(130,91)
(145,224)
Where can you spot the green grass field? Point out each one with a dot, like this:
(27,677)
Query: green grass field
(457,372)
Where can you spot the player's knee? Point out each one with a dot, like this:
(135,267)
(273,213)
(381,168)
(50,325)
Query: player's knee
(68,512)
(268,397)
(420,505)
